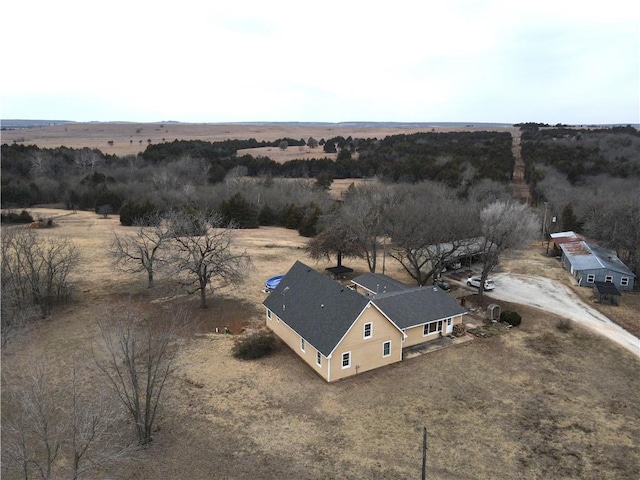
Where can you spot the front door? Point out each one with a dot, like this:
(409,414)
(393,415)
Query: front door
(449,325)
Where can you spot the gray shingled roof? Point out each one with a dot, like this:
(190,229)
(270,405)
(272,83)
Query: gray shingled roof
(417,306)
(322,310)
(378,283)
(319,309)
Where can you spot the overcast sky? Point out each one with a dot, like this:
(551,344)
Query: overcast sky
(566,61)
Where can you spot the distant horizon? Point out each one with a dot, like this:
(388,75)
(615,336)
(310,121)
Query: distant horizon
(33,122)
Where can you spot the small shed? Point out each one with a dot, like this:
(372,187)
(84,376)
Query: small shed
(606,292)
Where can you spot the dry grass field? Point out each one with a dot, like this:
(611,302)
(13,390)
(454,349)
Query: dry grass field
(533,403)
(132,138)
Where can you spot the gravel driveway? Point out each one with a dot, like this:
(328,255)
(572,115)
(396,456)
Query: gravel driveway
(545,294)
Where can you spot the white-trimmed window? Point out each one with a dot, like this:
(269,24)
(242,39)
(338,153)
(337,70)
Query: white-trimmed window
(346,360)
(608,278)
(591,278)
(318,359)
(432,327)
(269,314)
(449,321)
(368,330)
(302,345)
(624,281)
(386,349)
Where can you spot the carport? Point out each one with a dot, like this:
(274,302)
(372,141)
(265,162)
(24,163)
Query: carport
(606,293)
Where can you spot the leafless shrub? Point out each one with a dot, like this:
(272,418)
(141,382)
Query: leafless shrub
(36,268)
(564,325)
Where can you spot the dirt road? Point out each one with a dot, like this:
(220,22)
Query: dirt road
(551,296)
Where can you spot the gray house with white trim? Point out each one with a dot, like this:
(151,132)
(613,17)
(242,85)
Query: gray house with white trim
(590,263)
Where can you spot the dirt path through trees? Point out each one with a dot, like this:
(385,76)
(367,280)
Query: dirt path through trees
(521,190)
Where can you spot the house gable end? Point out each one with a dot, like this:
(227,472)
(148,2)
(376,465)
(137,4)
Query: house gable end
(317,308)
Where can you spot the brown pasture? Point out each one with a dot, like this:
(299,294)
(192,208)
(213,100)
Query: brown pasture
(133,138)
(532,403)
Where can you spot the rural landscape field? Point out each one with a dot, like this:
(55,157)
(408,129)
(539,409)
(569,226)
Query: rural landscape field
(531,402)
(133,138)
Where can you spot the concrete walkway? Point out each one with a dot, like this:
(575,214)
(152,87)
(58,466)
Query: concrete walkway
(434,345)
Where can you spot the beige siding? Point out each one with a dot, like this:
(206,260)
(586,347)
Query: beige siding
(415,334)
(292,339)
(366,353)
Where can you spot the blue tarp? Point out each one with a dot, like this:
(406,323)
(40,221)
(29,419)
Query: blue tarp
(272,282)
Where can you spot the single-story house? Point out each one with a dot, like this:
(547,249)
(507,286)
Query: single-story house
(588,262)
(340,332)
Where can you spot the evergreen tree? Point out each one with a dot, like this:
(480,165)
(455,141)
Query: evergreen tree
(240,212)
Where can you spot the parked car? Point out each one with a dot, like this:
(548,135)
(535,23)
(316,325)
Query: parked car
(454,266)
(443,285)
(475,282)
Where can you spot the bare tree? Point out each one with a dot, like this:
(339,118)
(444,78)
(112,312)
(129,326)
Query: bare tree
(50,427)
(202,251)
(233,178)
(486,191)
(36,268)
(429,226)
(364,213)
(140,250)
(89,419)
(34,436)
(137,358)
(336,238)
(615,224)
(86,159)
(504,226)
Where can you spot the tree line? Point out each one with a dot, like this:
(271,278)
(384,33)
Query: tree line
(588,181)
(87,178)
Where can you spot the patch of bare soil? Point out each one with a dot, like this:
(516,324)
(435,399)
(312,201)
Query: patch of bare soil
(528,404)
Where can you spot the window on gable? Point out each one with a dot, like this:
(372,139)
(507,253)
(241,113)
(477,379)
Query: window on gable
(346,360)
(302,345)
(268,313)
(591,278)
(624,281)
(319,359)
(368,330)
(386,349)
(608,278)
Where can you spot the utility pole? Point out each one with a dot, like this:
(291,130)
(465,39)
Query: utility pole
(544,222)
(424,453)
(384,253)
